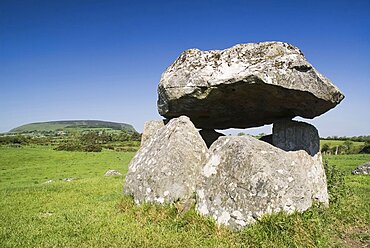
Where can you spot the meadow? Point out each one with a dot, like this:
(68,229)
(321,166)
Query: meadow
(91,211)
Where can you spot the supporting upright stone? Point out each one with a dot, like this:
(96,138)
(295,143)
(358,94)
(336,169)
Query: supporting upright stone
(150,127)
(245,178)
(267,138)
(167,166)
(292,135)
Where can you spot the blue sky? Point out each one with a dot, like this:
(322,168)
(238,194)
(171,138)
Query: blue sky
(103,59)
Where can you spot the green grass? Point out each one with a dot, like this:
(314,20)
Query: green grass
(92,212)
(333,143)
(28,166)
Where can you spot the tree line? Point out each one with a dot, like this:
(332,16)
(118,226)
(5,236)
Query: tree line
(88,141)
(362,138)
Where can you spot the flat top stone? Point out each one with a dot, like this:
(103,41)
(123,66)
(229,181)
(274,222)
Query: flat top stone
(247,85)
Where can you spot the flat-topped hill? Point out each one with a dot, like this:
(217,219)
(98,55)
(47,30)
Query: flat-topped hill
(70,125)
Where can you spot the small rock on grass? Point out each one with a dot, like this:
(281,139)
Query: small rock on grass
(362,169)
(111,173)
(69,179)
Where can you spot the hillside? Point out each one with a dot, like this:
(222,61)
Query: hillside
(71,125)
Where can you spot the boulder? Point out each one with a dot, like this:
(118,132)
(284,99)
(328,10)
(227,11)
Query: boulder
(167,167)
(247,85)
(362,169)
(150,127)
(292,135)
(209,136)
(245,178)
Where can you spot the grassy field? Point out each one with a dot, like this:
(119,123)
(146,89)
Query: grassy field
(333,143)
(92,212)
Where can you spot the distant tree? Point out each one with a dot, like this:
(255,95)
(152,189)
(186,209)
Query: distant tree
(342,149)
(241,134)
(348,146)
(136,137)
(93,148)
(325,148)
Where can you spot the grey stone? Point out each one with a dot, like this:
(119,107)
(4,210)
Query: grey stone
(209,136)
(362,169)
(245,178)
(247,85)
(267,138)
(292,135)
(150,127)
(167,166)
(111,173)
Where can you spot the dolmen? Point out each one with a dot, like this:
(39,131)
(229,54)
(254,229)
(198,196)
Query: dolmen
(235,179)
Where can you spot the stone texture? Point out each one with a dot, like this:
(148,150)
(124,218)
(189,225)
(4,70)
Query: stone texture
(209,136)
(150,127)
(247,85)
(112,173)
(167,166)
(245,178)
(362,169)
(292,135)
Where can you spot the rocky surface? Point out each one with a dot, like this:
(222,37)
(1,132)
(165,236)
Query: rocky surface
(209,136)
(167,167)
(295,135)
(245,178)
(362,169)
(112,173)
(150,127)
(247,85)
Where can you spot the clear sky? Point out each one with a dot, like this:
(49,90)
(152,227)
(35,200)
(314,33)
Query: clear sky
(63,60)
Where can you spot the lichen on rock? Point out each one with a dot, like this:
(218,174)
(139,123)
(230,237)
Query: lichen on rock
(247,85)
(167,166)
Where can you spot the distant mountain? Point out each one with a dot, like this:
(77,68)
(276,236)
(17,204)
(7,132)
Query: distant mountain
(72,125)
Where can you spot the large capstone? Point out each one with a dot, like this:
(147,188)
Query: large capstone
(167,167)
(292,135)
(245,178)
(247,85)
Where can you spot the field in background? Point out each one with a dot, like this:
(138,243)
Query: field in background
(71,125)
(91,211)
(340,142)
